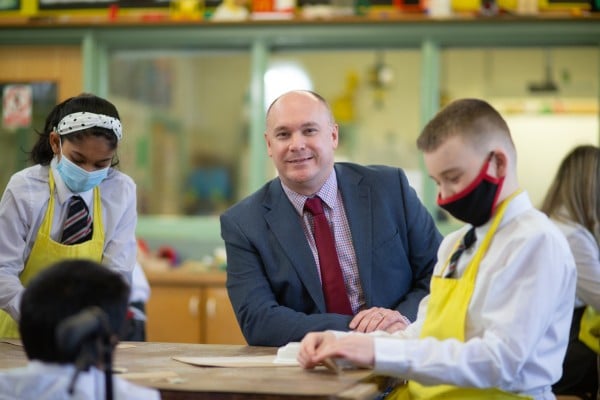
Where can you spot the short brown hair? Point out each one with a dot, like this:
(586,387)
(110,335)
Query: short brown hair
(473,119)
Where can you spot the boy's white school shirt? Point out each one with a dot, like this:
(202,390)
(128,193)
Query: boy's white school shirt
(523,306)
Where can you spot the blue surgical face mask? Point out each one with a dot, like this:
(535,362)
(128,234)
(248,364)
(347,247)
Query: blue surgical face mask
(77,179)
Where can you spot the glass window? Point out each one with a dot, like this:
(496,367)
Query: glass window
(185,121)
(374,95)
(186,113)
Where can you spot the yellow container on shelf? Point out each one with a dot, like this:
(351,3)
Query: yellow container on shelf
(564,6)
(466,5)
(186,9)
(515,5)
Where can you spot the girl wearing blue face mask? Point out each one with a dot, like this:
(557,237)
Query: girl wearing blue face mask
(71,204)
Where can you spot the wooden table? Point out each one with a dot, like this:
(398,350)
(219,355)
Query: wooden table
(150,364)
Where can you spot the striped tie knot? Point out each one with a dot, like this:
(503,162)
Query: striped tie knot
(78,225)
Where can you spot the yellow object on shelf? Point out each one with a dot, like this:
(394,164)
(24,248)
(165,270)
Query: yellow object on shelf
(466,5)
(515,5)
(187,9)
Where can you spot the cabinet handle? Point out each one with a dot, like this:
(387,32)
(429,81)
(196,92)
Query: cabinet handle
(211,307)
(194,305)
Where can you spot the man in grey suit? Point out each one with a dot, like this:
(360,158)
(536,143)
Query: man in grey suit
(385,239)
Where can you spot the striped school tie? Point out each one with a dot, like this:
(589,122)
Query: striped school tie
(466,242)
(78,225)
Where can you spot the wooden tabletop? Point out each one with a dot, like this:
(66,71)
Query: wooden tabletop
(151,364)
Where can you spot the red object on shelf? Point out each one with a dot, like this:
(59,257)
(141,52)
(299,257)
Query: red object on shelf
(168,253)
(411,5)
(113,11)
(262,5)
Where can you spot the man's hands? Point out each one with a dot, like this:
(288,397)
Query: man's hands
(318,346)
(379,319)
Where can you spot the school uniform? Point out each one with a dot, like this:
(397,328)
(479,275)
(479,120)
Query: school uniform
(587,258)
(32,213)
(580,370)
(46,381)
(497,329)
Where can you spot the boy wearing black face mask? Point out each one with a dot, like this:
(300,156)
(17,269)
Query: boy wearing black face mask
(496,322)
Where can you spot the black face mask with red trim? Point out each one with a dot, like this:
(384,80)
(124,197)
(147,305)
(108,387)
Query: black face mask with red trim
(475,204)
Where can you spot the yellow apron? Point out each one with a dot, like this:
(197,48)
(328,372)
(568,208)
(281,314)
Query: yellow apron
(446,317)
(46,251)
(589,331)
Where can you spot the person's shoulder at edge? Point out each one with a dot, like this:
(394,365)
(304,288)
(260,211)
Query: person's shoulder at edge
(372,173)
(368,169)
(28,188)
(532,224)
(529,221)
(548,224)
(27,176)
(117,186)
(571,228)
(546,237)
(376,175)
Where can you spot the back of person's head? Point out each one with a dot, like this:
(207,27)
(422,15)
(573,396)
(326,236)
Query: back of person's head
(61,291)
(476,121)
(42,153)
(574,194)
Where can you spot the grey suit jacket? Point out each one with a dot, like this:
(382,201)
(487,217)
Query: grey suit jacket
(272,277)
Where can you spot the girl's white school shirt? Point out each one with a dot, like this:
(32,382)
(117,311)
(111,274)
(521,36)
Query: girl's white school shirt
(587,259)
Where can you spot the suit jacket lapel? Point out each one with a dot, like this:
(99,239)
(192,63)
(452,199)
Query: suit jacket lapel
(286,226)
(357,202)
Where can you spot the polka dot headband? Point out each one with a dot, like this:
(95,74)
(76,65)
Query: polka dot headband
(84,120)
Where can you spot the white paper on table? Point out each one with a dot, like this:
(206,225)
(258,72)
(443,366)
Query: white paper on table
(286,356)
(238,361)
(289,354)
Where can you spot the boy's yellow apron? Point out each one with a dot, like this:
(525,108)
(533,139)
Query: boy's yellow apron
(446,316)
(589,331)
(46,251)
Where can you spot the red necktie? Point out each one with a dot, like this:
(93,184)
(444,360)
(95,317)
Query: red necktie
(332,279)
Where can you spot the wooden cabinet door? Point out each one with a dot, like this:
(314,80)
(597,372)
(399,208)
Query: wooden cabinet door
(220,325)
(61,64)
(173,315)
